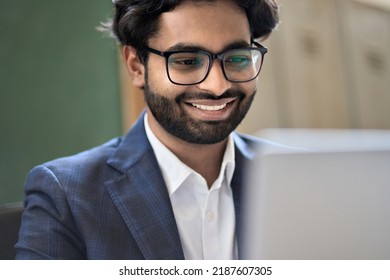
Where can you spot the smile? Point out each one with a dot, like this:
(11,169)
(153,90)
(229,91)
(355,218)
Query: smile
(209,108)
(208,105)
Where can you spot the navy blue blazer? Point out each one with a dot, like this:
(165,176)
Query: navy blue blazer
(110,202)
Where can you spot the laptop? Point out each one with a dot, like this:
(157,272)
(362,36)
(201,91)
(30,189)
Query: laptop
(329,204)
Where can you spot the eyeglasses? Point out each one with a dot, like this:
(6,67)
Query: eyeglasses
(192,67)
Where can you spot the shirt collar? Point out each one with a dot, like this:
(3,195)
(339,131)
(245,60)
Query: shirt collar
(175,171)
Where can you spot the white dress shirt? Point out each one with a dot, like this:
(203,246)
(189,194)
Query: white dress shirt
(205,217)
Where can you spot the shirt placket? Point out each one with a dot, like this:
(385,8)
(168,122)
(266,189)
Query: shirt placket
(210,226)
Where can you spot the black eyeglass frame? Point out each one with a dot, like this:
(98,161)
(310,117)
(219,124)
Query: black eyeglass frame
(212,56)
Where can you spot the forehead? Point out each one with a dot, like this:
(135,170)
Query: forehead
(212,25)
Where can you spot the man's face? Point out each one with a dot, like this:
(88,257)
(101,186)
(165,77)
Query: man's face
(207,112)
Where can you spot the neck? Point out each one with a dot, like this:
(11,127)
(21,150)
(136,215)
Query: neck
(204,159)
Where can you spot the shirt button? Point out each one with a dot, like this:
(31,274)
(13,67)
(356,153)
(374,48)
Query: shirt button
(210,216)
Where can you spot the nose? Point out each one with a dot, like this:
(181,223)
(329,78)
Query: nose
(215,81)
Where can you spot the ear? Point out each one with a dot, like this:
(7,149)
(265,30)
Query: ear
(134,66)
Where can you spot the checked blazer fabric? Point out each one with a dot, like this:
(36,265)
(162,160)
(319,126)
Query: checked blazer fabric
(110,202)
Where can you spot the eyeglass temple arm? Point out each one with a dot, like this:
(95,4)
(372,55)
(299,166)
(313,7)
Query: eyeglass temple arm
(259,45)
(154,51)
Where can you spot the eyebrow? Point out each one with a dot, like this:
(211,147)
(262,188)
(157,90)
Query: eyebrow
(194,47)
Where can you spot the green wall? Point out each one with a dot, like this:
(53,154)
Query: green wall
(59,90)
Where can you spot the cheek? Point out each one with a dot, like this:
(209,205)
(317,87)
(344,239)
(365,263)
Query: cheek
(155,85)
(157,78)
(252,86)
(159,83)
(248,88)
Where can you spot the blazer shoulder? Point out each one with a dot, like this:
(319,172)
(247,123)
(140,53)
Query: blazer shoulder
(89,165)
(100,152)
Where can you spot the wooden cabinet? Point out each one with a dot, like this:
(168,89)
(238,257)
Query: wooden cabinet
(366,41)
(328,67)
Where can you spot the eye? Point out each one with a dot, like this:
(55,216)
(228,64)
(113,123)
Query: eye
(238,60)
(186,61)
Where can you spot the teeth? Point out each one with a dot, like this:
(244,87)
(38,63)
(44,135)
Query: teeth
(209,108)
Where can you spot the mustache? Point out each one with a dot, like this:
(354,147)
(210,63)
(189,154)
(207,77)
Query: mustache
(204,95)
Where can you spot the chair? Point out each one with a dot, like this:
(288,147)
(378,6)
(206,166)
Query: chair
(10,216)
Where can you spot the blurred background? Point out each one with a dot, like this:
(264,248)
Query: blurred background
(63,88)
(59,90)
(328,67)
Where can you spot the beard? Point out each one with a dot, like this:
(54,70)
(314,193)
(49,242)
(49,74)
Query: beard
(172,116)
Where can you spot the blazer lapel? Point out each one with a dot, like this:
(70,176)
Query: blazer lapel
(142,199)
(141,196)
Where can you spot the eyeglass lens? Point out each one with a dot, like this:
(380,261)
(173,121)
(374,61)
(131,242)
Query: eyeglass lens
(192,67)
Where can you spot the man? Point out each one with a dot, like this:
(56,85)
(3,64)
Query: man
(171,188)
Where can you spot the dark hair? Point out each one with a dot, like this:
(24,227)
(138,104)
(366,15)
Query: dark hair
(135,21)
